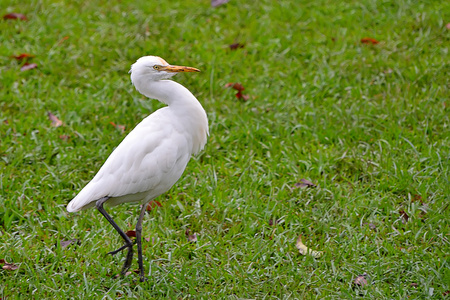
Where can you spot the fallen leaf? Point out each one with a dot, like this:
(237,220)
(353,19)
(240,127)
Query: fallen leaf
(238,87)
(131,233)
(305,250)
(152,204)
(23,56)
(446,293)
(236,46)
(64,244)
(305,183)
(404,216)
(121,128)
(64,137)
(371,226)
(62,40)
(368,40)
(215,3)
(274,222)
(417,198)
(192,238)
(414,284)
(28,66)
(15,16)
(8,266)
(360,280)
(55,121)
(239,95)
(235,85)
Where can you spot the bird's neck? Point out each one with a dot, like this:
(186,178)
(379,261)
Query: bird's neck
(183,104)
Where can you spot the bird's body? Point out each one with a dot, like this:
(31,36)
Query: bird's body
(152,157)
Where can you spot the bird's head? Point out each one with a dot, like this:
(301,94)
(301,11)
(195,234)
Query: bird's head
(155,68)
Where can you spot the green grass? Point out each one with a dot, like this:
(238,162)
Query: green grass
(369,124)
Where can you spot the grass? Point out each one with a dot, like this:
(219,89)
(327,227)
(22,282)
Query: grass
(369,124)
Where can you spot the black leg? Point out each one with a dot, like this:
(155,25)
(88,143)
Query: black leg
(128,242)
(120,249)
(139,241)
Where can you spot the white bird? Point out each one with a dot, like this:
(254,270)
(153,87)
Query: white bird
(152,157)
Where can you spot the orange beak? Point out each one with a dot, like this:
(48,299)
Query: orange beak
(177,69)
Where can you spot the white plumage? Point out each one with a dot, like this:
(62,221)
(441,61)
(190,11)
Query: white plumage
(152,157)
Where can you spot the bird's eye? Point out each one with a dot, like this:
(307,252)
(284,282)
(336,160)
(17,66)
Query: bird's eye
(156,67)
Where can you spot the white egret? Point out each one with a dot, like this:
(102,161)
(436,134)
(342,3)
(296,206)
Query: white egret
(154,155)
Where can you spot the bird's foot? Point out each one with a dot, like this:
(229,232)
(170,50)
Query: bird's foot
(122,248)
(143,278)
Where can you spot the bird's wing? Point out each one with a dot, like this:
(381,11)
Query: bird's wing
(149,160)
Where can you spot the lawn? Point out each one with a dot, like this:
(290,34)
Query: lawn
(352,96)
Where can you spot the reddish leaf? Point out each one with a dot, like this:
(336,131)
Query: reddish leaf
(28,66)
(414,284)
(448,26)
(360,280)
(236,46)
(238,87)
(192,238)
(55,121)
(131,233)
(239,95)
(368,40)
(15,16)
(8,266)
(446,293)
(23,56)
(64,137)
(64,244)
(305,183)
(404,216)
(215,3)
(62,40)
(153,204)
(274,222)
(235,85)
(121,128)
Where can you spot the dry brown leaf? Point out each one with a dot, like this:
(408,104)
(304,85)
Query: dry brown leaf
(153,204)
(15,16)
(64,137)
(121,128)
(215,3)
(28,66)
(404,216)
(23,56)
(360,280)
(131,233)
(238,87)
(8,266)
(305,250)
(368,40)
(62,40)
(192,238)
(235,85)
(274,222)
(64,244)
(55,121)
(236,46)
(305,183)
